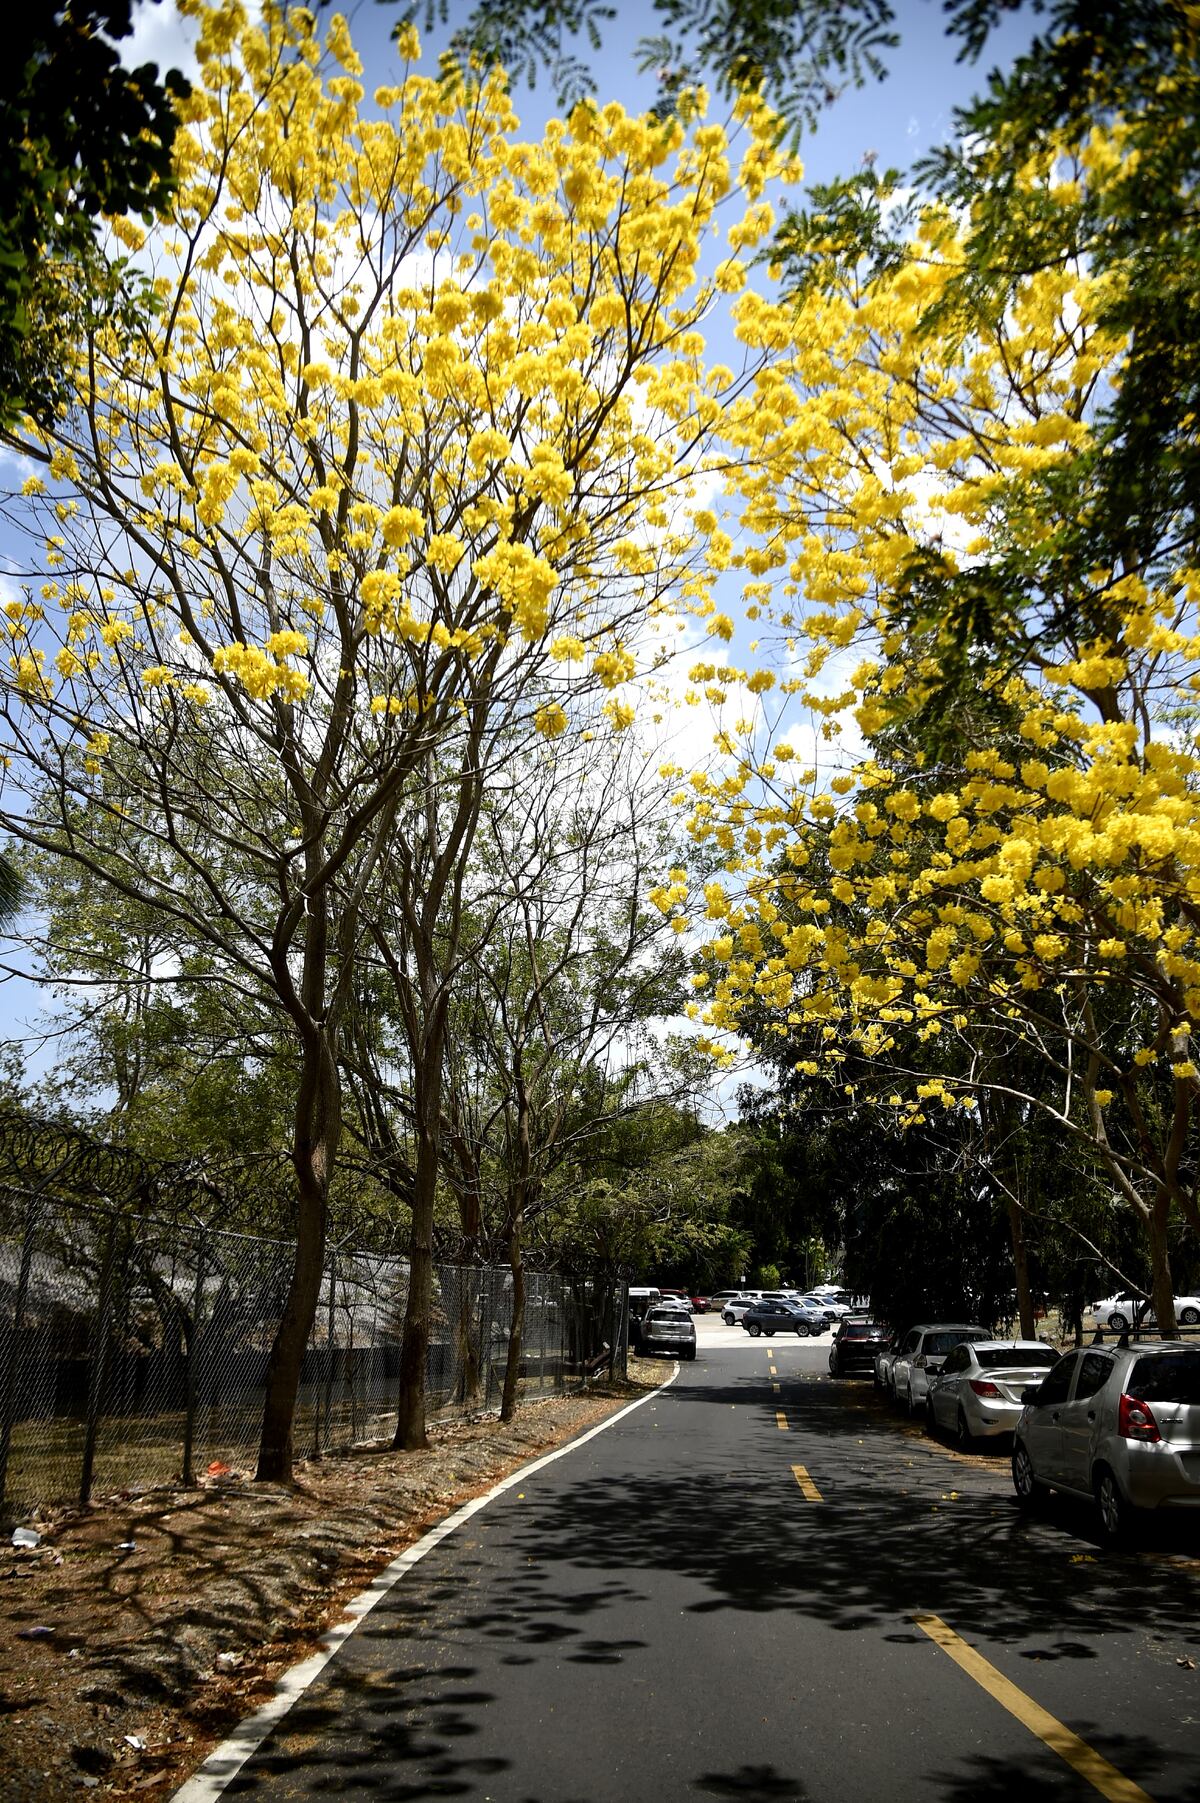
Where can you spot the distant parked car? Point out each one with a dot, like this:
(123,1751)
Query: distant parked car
(680,1296)
(770,1316)
(699,1305)
(828,1305)
(884,1361)
(1118,1312)
(856,1345)
(736,1307)
(977,1393)
(669,1329)
(920,1355)
(1119,1424)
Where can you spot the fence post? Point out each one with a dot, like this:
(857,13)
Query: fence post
(12,1363)
(193,1372)
(485,1331)
(98,1363)
(330,1330)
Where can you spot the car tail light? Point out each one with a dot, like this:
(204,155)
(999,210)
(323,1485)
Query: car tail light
(983,1386)
(1135,1420)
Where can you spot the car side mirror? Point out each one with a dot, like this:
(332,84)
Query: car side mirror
(1031,1393)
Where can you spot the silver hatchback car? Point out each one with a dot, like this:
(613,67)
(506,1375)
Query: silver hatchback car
(1120,1424)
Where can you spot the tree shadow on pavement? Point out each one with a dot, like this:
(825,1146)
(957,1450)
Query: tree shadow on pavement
(409,1709)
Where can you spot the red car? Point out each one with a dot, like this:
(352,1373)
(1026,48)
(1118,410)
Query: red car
(700,1304)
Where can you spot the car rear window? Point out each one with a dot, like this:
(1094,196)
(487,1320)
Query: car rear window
(861,1330)
(1011,1359)
(937,1343)
(1167,1377)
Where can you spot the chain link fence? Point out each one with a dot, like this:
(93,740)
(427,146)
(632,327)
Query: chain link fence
(134,1351)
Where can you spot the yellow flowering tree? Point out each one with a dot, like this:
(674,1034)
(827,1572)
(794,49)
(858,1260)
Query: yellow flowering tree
(406,463)
(1014,849)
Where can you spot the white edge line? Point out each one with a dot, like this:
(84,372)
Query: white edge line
(225,1761)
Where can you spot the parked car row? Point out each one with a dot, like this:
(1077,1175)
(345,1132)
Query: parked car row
(787,1311)
(1118,1424)
(778,1314)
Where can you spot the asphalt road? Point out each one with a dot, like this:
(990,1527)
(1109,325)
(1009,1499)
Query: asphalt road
(761,1584)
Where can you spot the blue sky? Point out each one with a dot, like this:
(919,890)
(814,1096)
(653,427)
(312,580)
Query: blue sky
(897,121)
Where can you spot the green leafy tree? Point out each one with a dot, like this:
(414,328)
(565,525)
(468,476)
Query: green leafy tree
(81,136)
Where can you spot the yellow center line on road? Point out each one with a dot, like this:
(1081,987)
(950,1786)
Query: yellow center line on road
(807,1488)
(776,1388)
(781,1421)
(1083,1759)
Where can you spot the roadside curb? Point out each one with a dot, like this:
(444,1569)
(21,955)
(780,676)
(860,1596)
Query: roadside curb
(226,1760)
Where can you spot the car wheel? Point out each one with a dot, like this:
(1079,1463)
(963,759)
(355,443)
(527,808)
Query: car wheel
(691,1353)
(728,1320)
(752,1328)
(1029,1488)
(770,1332)
(1189,1316)
(963,1436)
(910,1402)
(833,1368)
(1116,1515)
(930,1418)
(1118,1320)
(802,1330)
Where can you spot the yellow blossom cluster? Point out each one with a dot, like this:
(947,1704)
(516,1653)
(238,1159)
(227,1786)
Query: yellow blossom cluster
(419,397)
(1049,854)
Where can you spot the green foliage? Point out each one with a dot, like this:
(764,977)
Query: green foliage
(524,38)
(856,226)
(803,52)
(1135,67)
(657,1195)
(81,136)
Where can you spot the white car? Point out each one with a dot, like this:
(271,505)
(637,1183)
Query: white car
(833,1311)
(977,1393)
(920,1356)
(733,1310)
(1117,1312)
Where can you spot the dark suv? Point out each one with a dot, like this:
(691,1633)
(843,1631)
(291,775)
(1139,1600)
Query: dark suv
(782,1317)
(856,1346)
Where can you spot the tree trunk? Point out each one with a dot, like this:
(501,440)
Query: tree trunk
(516,1264)
(470,1384)
(518,1201)
(1162,1287)
(317,1129)
(1020,1252)
(411,1434)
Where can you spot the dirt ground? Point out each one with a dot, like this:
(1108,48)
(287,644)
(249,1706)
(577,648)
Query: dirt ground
(138,1631)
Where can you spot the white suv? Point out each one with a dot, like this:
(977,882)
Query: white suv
(733,1310)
